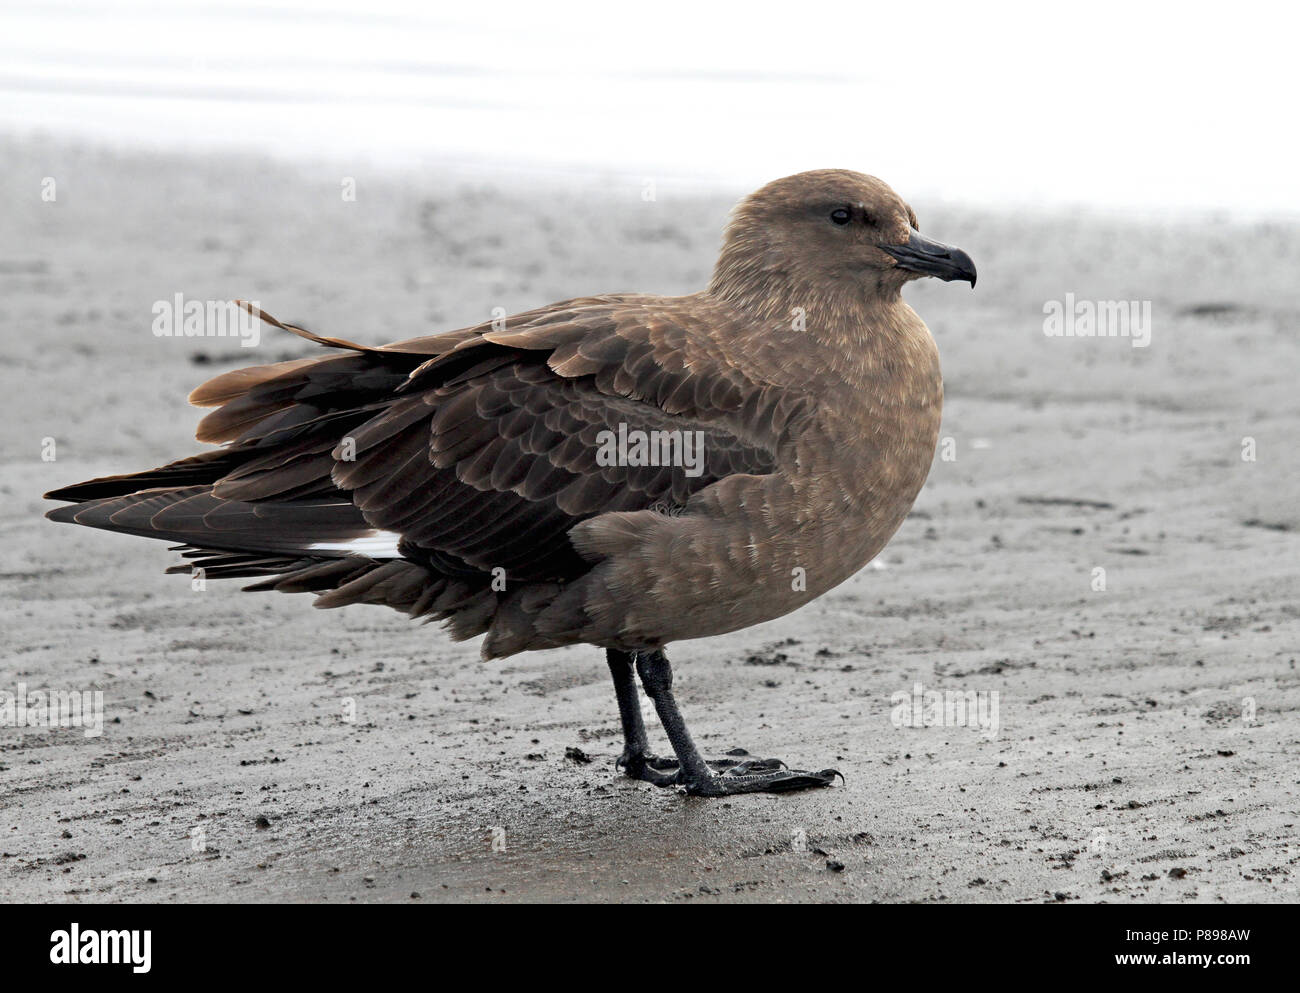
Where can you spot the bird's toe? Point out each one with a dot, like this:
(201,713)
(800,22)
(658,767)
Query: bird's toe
(781,780)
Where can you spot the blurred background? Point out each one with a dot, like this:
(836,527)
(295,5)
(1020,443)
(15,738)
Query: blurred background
(1111,105)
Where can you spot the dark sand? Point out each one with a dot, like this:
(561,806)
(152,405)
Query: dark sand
(1122,754)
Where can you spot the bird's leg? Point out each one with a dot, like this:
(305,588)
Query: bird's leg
(637,760)
(758,776)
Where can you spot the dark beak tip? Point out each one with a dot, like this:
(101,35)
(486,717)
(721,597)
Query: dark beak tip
(932,258)
(965,267)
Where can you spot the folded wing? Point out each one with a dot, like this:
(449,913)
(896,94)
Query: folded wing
(414,473)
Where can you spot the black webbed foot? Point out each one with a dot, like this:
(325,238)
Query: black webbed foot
(738,773)
(648,768)
(738,761)
(736,781)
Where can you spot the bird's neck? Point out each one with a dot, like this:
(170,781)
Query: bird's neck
(854,310)
(847,321)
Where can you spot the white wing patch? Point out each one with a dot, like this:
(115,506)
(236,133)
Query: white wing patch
(374,544)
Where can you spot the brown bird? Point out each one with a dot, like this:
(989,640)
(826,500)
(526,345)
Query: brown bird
(622,471)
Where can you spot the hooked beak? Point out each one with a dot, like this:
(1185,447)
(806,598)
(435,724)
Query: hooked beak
(930,258)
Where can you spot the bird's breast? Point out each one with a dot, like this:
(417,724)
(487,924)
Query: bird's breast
(865,456)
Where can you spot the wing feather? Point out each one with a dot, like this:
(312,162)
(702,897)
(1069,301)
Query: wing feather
(478,448)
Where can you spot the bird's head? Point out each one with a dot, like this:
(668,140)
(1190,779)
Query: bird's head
(833,227)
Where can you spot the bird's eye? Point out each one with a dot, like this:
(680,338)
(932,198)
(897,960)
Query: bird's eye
(841,216)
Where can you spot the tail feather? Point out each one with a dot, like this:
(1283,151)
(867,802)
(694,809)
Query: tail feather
(193,515)
(265,506)
(207,467)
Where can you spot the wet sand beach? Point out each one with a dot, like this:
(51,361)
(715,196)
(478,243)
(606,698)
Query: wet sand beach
(1146,738)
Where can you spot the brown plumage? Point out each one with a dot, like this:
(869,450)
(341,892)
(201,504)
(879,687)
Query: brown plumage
(458,476)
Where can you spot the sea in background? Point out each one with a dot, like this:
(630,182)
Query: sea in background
(1116,107)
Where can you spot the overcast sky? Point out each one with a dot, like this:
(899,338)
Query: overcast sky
(1122,106)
